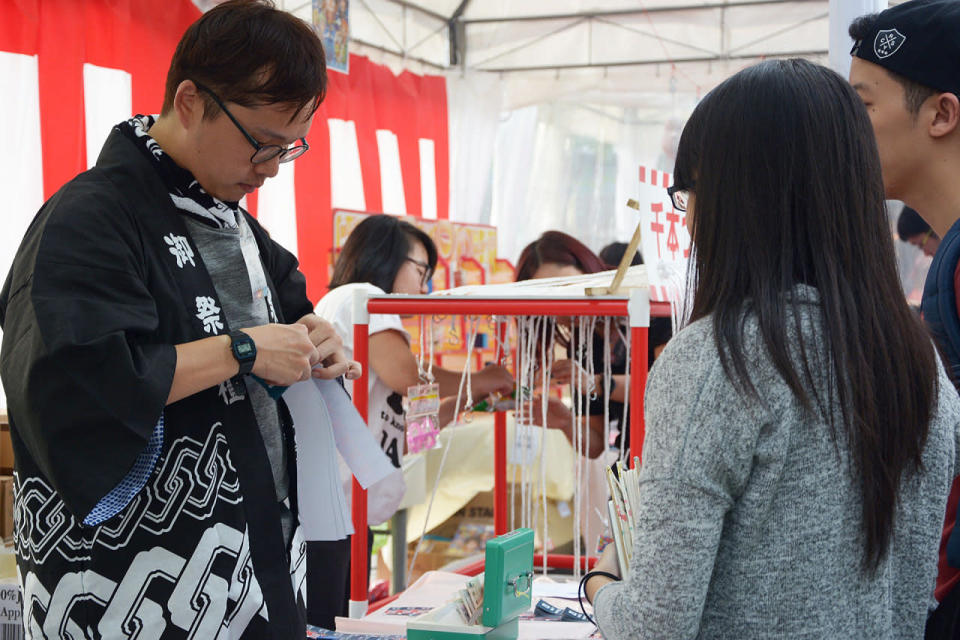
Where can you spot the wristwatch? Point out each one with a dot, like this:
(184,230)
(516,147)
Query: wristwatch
(244,350)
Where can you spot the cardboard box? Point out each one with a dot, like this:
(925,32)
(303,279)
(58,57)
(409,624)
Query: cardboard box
(6,508)
(433,555)
(6,446)
(478,510)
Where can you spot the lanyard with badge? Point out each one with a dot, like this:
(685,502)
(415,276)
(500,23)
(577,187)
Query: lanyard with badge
(259,288)
(422,414)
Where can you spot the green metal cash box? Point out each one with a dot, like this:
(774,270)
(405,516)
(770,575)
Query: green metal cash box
(507,592)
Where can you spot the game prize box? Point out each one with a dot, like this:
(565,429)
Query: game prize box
(507,591)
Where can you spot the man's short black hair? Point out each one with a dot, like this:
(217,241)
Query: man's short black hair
(612,254)
(914,93)
(250,53)
(910,224)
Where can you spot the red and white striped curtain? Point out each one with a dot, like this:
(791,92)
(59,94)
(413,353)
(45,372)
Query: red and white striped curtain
(71,69)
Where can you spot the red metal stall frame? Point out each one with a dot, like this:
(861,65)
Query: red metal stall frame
(636,308)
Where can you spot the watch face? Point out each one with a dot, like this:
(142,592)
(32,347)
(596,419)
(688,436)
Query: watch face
(244,349)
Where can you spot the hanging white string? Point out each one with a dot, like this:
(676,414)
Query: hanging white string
(546,354)
(539,324)
(619,325)
(458,407)
(425,373)
(422,352)
(607,388)
(433,342)
(607,383)
(521,426)
(576,394)
(518,414)
(626,398)
(590,326)
(527,345)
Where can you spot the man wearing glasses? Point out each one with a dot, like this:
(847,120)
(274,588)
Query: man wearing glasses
(147,318)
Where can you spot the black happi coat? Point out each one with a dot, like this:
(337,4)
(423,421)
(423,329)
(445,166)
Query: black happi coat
(106,281)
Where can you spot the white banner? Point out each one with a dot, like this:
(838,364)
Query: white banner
(666,241)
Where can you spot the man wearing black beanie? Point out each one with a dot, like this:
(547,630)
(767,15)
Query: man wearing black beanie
(906,68)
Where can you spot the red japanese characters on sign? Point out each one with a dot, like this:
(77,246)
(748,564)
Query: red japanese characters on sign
(666,241)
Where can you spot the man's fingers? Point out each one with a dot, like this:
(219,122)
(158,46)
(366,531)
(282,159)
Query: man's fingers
(329,372)
(318,329)
(322,334)
(311,321)
(330,351)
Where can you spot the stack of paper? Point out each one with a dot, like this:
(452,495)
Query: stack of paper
(624,501)
(469,601)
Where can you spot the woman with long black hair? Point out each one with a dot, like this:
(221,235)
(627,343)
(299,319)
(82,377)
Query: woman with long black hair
(801,432)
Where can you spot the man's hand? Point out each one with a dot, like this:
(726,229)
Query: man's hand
(558,415)
(354,370)
(329,348)
(285,353)
(563,371)
(491,379)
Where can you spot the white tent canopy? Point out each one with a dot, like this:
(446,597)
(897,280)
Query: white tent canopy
(553,104)
(618,51)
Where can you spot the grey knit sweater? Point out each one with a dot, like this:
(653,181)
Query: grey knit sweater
(751,521)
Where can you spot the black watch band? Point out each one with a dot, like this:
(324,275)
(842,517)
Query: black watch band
(244,351)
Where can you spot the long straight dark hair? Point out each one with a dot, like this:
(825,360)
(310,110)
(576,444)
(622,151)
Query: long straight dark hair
(783,164)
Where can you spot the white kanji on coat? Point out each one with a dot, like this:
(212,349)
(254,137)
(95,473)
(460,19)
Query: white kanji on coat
(180,249)
(228,393)
(209,312)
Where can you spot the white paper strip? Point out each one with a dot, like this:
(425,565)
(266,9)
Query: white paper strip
(326,422)
(355,443)
(323,511)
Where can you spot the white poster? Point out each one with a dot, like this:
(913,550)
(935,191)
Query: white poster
(665,239)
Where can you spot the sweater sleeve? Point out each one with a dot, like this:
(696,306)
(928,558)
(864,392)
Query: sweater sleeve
(675,544)
(697,456)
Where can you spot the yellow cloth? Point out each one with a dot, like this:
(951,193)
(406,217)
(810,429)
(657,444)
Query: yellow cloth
(469,470)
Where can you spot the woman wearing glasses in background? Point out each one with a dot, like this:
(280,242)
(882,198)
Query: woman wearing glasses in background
(801,432)
(383,254)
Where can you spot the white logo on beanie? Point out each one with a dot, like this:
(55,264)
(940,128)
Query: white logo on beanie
(888,42)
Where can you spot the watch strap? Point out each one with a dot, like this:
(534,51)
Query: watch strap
(244,350)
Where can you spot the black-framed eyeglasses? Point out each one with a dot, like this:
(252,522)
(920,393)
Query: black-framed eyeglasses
(679,196)
(262,152)
(422,268)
